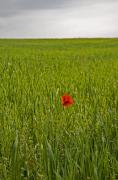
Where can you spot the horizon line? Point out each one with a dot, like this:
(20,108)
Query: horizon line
(111,37)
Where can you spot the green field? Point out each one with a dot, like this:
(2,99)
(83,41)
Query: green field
(39,138)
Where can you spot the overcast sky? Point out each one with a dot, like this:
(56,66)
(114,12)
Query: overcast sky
(58,18)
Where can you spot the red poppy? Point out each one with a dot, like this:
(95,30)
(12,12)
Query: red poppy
(67,100)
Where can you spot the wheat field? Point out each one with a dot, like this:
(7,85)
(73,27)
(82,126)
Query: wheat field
(39,138)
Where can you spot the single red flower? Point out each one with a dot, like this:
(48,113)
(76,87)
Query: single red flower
(67,100)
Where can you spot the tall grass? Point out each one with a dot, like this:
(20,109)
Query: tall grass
(39,139)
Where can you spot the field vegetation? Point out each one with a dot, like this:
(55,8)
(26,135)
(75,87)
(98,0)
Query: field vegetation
(39,138)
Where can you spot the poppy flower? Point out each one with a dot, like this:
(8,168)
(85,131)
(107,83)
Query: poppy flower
(67,100)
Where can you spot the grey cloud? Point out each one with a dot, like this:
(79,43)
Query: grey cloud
(12,7)
(58,18)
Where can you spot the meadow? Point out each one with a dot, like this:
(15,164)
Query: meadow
(39,138)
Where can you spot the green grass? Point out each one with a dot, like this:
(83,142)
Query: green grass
(41,140)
